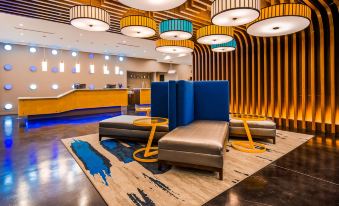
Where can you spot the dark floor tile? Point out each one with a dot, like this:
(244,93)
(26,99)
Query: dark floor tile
(277,186)
(319,157)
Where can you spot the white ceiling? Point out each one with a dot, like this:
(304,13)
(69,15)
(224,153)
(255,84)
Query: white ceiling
(37,32)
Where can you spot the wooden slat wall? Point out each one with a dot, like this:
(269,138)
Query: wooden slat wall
(293,79)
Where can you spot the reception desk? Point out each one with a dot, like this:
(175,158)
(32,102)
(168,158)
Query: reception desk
(72,100)
(142,95)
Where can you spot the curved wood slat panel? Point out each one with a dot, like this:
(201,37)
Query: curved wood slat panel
(291,79)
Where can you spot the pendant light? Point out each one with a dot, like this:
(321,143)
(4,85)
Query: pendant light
(225,47)
(176,29)
(153,5)
(90,18)
(138,26)
(44,64)
(280,19)
(214,34)
(174,46)
(234,13)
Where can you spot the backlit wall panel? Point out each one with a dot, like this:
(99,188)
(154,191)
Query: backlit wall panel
(294,78)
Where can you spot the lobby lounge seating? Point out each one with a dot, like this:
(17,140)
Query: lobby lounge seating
(198,113)
(259,129)
(121,127)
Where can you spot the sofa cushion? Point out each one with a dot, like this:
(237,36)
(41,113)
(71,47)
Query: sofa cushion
(126,122)
(202,136)
(266,124)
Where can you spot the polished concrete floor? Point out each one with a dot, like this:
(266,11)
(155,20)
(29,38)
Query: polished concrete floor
(36,169)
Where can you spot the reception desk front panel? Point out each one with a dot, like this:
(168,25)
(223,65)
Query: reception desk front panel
(72,100)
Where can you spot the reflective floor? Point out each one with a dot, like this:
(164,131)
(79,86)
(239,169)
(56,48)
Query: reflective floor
(36,169)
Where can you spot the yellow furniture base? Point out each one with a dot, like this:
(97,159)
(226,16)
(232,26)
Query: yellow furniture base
(153,122)
(248,146)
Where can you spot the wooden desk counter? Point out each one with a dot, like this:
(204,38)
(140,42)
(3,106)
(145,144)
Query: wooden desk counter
(143,94)
(72,100)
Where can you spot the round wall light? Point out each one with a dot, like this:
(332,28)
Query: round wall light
(54,52)
(8,67)
(33,68)
(8,47)
(55,86)
(90,18)
(280,19)
(8,87)
(32,49)
(174,46)
(176,29)
(214,34)
(8,106)
(228,13)
(225,47)
(33,86)
(138,26)
(74,54)
(153,5)
(55,70)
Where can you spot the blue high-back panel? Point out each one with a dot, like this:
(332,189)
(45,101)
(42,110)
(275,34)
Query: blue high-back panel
(159,99)
(211,100)
(172,106)
(185,103)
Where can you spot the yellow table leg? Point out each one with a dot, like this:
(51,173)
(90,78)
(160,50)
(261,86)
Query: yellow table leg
(147,149)
(248,146)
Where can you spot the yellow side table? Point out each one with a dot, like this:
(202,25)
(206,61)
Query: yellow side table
(149,122)
(248,146)
(144,109)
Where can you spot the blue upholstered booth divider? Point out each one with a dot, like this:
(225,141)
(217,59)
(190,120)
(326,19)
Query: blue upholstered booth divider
(182,102)
(163,102)
(185,103)
(211,100)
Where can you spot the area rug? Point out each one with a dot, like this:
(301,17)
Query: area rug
(123,181)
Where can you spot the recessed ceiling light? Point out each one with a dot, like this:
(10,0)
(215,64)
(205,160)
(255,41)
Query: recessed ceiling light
(54,52)
(33,86)
(55,86)
(8,47)
(106,57)
(21,25)
(121,58)
(32,49)
(74,54)
(8,106)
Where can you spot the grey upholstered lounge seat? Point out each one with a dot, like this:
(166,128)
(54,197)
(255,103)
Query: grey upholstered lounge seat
(122,127)
(260,129)
(198,144)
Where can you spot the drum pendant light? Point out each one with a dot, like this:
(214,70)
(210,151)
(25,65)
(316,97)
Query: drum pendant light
(138,26)
(280,19)
(176,29)
(174,46)
(234,13)
(225,47)
(214,34)
(153,5)
(90,18)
